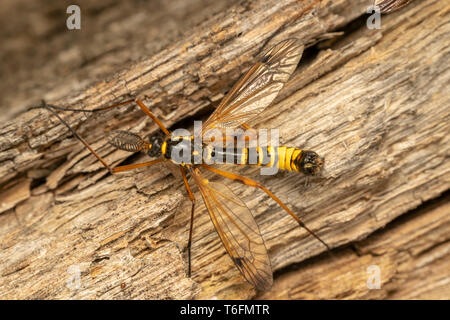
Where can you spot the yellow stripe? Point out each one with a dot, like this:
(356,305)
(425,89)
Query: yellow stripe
(287,163)
(164,147)
(296,153)
(244,156)
(178,138)
(271,150)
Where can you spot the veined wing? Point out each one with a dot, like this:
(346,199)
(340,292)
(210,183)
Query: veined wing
(238,231)
(258,87)
(387,6)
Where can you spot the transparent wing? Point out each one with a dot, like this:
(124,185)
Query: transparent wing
(238,231)
(387,6)
(258,87)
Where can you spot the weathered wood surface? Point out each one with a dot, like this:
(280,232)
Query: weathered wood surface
(411,254)
(374,103)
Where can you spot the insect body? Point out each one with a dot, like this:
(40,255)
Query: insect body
(284,158)
(387,6)
(230,216)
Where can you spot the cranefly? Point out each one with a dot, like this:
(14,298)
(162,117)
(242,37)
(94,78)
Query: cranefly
(230,216)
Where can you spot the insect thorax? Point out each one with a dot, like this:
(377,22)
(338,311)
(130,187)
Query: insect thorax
(157,142)
(182,150)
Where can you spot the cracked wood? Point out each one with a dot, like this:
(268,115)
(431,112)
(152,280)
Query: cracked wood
(374,103)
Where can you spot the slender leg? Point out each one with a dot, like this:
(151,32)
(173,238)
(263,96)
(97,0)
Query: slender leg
(137,101)
(255,184)
(191,227)
(112,170)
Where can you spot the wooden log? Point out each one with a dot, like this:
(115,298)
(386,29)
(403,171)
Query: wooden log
(410,257)
(374,103)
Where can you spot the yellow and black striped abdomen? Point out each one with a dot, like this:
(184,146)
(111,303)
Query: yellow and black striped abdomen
(285,158)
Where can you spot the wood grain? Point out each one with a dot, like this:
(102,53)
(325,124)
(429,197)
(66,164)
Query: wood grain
(374,103)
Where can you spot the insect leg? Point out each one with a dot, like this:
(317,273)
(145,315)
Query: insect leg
(191,227)
(151,115)
(76,135)
(246,126)
(136,165)
(255,184)
(49,108)
(138,102)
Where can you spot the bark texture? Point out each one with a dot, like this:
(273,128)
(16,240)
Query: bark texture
(375,103)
